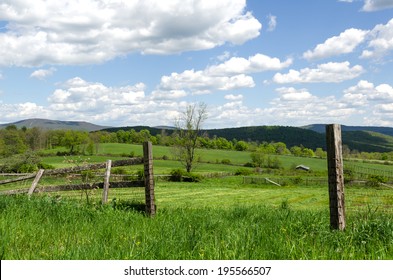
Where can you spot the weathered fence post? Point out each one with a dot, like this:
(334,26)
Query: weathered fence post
(149,178)
(336,176)
(106,181)
(35,182)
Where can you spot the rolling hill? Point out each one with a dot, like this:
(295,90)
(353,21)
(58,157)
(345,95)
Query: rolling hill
(55,124)
(361,138)
(379,129)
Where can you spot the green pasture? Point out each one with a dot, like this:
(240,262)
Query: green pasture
(46,227)
(216,218)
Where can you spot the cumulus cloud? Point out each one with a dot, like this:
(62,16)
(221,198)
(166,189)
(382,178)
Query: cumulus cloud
(228,75)
(12,112)
(102,104)
(380,42)
(294,106)
(332,72)
(375,5)
(82,96)
(346,42)
(292,94)
(74,32)
(365,91)
(239,65)
(41,74)
(199,82)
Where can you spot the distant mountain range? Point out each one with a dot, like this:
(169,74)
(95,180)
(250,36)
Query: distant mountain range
(361,138)
(54,124)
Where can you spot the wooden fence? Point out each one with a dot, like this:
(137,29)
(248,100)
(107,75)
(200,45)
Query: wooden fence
(147,183)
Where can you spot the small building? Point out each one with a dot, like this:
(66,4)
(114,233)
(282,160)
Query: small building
(303,167)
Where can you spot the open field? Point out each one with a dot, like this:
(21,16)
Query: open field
(45,228)
(217,218)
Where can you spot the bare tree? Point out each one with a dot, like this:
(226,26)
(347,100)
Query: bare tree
(189,127)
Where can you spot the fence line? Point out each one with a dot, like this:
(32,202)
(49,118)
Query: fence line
(148,182)
(365,172)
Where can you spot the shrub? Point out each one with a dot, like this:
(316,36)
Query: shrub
(243,172)
(177,175)
(375,180)
(192,177)
(226,161)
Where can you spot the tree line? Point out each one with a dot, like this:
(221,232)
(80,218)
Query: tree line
(18,141)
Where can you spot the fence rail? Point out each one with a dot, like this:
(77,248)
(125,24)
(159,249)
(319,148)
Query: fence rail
(147,183)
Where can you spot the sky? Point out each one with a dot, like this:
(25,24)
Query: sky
(142,62)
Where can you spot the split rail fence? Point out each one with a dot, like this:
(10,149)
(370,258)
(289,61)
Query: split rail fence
(147,182)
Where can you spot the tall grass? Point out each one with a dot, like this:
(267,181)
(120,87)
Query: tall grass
(48,228)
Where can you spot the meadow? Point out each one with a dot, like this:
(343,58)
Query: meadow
(216,218)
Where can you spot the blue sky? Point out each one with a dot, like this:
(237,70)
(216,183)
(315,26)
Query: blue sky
(125,63)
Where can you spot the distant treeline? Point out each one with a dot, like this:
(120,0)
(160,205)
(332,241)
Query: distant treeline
(278,140)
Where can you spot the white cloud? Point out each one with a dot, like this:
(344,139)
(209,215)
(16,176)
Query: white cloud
(81,96)
(228,75)
(375,5)
(332,72)
(346,42)
(376,100)
(93,31)
(13,112)
(199,82)
(233,97)
(41,74)
(272,22)
(168,95)
(380,42)
(254,64)
(292,106)
(365,91)
(292,94)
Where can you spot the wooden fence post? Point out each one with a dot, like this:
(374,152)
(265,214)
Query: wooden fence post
(35,182)
(106,181)
(149,178)
(336,176)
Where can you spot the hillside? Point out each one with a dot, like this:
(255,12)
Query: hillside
(55,124)
(361,138)
(364,141)
(379,129)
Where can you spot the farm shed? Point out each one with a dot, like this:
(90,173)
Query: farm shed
(303,167)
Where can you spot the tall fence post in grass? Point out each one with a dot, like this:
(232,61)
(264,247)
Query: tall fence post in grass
(106,181)
(149,178)
(336,176)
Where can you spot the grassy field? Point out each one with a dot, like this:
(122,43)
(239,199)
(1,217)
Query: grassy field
(45,228)
(217,218)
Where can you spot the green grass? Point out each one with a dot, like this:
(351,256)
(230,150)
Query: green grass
(45,228)
(217,218)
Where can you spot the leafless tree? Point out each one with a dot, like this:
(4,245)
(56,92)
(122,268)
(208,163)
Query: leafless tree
(189,128)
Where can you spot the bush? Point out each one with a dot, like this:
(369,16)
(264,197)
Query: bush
(22,163)
(226,161)
(376,180)
(177,175)
(192,177)
(243,172)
